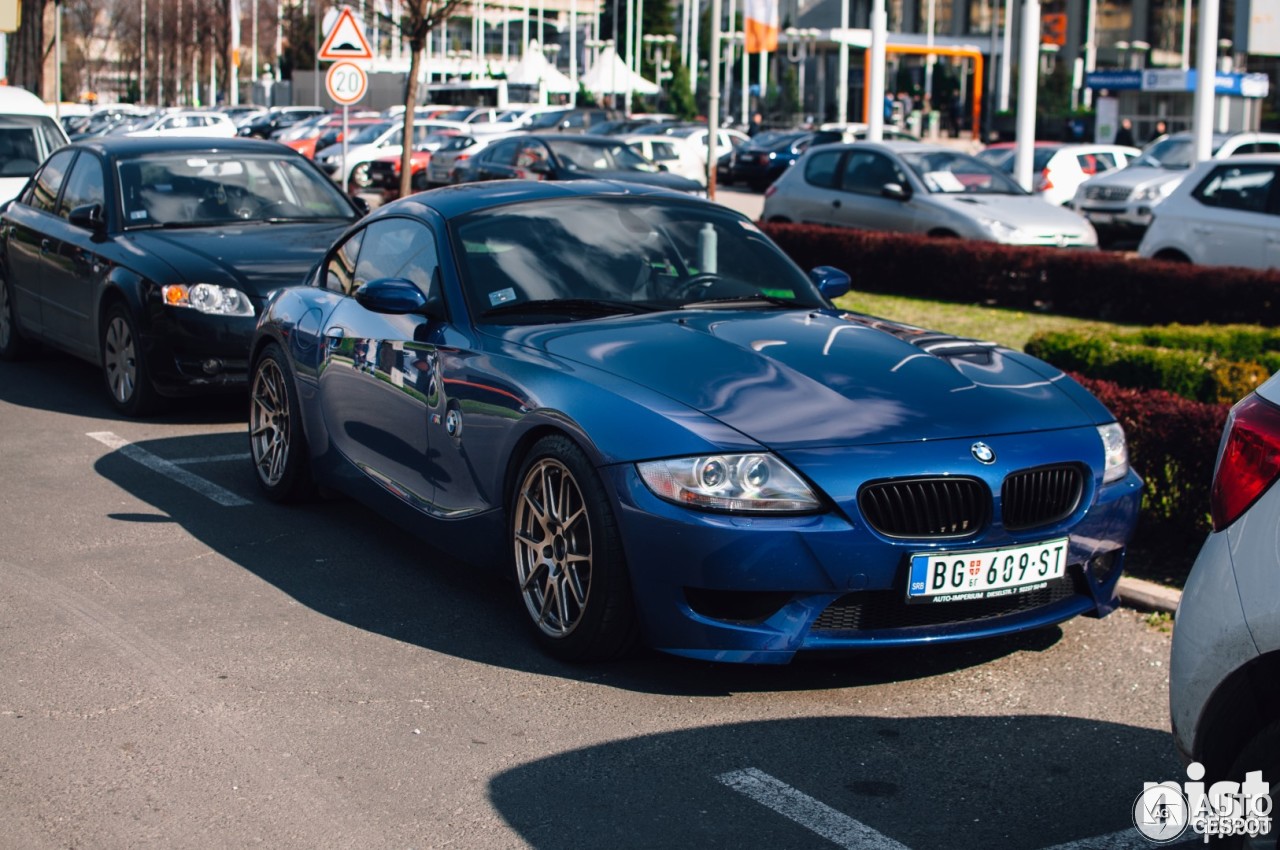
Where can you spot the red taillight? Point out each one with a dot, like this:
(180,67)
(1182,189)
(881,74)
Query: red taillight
(460,157)
(1044,184)
(1250,460)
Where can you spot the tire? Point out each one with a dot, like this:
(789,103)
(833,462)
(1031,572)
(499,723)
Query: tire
(128,379)
(12,345)
(1171,256)
(277,446)
(1261,753)
(572,577)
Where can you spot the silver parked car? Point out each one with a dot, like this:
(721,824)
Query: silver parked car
(1225,213)
(1120,203)
(913,187)
(1224,673)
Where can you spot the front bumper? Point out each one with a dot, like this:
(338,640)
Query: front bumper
(1131,217)
(192,353)
(759,589)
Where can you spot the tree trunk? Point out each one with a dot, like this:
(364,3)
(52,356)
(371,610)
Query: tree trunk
(416,51)
(26,49)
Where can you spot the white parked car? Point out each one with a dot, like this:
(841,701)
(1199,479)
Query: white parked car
(673,154)
(374,142)
(1224,672)
(1225,213)
(206,124)
(1120,203)
(913,187)
(28,134)
(1059,168)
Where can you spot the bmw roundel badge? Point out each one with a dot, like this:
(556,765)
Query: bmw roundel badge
(982,453)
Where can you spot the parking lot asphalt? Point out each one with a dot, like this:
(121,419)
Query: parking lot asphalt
(187,665)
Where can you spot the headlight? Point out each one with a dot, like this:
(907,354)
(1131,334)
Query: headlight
(738,483)
(1153,193)
(208,298)
(1115,451)
(1001,231)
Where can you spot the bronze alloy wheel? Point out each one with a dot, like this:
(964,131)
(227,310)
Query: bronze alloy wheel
(269,423)
(553,547)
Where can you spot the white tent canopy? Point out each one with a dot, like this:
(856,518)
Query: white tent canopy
(610,75)
(534,68)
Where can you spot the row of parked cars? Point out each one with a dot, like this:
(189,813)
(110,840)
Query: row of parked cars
(629,468)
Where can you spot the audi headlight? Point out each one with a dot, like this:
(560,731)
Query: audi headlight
(1115,451)
(738,483)
(1154,194)
(208,298)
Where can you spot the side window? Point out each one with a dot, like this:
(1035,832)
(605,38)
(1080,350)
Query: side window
(397,247)
(1237,187)
(867,172)
(341,272)
(503,153)
(575,120)
(44,191)
(530,154)
(664,152)
(85,185)
(822,169)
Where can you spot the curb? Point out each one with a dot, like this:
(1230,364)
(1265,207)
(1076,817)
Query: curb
(1148,596)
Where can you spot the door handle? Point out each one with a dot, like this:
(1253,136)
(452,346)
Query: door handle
(836,203)
(1201,228)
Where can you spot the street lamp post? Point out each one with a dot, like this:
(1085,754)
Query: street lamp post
(798,44)
(658,47)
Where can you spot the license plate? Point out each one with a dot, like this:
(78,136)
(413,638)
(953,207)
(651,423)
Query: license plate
(985,573)
(1099,217)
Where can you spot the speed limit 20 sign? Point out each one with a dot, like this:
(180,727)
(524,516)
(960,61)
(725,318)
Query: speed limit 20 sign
(346,83)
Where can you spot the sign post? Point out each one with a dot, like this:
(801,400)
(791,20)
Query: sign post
(345,81)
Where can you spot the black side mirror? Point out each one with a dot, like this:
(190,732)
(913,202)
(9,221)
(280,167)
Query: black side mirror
(540,166)
(396,296)
(831,282)
(89,217)
(360,203)
(896,191)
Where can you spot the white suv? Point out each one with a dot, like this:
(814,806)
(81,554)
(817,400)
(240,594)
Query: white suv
(1120,203)
(1224,674)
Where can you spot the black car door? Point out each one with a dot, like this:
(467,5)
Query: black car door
(74,265)
(28,243)
(379,378)
(497,162)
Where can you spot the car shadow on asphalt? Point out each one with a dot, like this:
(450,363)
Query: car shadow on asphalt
(346,562)
(924,783)
(50,380)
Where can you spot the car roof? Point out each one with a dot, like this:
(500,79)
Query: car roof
(130,146)
(454,201)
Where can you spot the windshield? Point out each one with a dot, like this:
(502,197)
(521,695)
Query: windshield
(590,257)
(1174,153)
(947,173)
(548,119)
(581,156)
(370,134)
(25,140)
(208,188)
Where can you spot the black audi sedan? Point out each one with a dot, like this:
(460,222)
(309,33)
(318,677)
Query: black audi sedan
(568,157)
(153,257)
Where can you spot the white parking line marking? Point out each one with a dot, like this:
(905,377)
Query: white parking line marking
(814,816)
(169,469)
(1125,839)
(187,461)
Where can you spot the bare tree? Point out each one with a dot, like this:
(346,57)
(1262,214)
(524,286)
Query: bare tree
(419,18)
(27,49)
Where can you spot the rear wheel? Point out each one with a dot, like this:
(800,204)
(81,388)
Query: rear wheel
(1261,753)
(123,366)
(276,442)
(1172,256)
(569,562)
(12,345)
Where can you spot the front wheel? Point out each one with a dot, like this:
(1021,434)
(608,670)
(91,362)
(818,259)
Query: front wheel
(569,562)
(125,369)
(276,442)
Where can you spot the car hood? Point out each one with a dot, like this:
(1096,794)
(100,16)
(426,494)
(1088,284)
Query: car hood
(1026,212)
(254,257)
(660,179)
(1136,177)
(798,379)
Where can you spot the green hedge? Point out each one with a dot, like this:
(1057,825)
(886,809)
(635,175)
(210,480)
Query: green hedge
(1088,284)
(1206,363)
